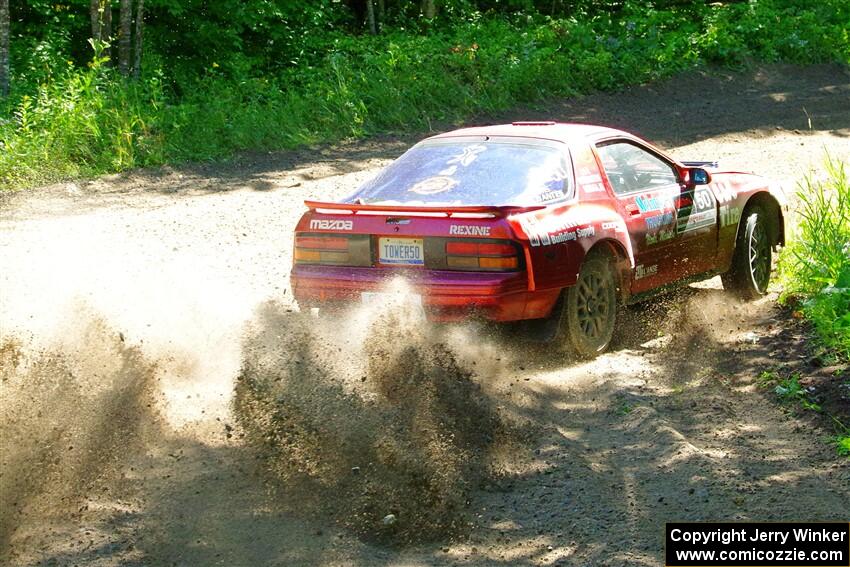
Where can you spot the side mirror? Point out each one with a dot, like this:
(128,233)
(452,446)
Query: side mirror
(698,176)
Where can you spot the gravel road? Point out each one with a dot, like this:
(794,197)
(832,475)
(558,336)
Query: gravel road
(124,302)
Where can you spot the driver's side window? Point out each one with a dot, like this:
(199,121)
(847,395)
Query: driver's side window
(630,168)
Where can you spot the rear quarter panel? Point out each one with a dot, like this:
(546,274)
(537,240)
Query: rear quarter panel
(734,192)
(558,240)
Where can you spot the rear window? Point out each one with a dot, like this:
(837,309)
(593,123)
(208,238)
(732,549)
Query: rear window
(472,173)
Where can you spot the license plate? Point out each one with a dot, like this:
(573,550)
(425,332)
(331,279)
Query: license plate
(401,251)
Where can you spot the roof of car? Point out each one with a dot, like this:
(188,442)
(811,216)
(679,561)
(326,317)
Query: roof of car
(558,131)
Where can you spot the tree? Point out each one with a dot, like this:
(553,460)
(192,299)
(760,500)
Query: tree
(381,13)
(96,20)
(370,17)
(429,9)
(4,48)
(140,18)
(125,36)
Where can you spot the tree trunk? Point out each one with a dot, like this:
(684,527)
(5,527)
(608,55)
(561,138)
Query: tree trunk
(381,12)
(124,37)
(4,48)
(140,19)
(96,21)
(429,9)
(370,17)
(106,35)
(106,32)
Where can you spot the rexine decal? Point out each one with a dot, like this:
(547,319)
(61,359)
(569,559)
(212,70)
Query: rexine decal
(469,230)
(642,271)
(325,224)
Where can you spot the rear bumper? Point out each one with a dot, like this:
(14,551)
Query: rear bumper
(446,295)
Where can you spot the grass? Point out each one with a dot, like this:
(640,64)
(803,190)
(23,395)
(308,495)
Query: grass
(842,445)
(814,268)
(87,121)
(814,271)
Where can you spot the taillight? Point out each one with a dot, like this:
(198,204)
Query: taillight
(322,242)
(333,249)
(481,255)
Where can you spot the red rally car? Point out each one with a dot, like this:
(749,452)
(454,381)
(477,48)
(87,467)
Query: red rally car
(556,223)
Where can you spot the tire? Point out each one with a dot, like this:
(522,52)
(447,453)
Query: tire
(749,275)
(589,309)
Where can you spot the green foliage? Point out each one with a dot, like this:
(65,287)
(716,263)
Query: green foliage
(790,390)
(625,408)
(815,267)
(84,123)
(268,74)
(766,378)
(842,445)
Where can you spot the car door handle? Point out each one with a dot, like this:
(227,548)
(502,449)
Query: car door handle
(633,210)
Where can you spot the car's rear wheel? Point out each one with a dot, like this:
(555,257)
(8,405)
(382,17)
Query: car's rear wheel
(589,309)
(752,261)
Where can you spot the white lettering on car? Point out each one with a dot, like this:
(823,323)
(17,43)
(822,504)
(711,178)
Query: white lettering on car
(724,191)
(564,231)
(642,271)
(469,230)
(586,232)
(729,215)
(326,224)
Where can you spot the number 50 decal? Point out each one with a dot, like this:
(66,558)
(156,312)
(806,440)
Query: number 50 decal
(703,200)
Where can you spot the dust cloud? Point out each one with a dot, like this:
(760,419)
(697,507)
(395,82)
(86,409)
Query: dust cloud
(70,411)
(368,417)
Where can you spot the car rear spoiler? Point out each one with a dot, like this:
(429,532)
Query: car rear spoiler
(467,211)
(713,164)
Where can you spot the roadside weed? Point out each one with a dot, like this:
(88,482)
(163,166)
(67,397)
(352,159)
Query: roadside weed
(842,445)
(766,378)
(625,408)
(814,268)
(790,390)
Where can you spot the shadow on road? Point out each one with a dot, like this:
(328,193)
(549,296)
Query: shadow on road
(656,431)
